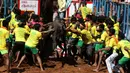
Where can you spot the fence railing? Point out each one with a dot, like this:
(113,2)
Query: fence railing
(121,9)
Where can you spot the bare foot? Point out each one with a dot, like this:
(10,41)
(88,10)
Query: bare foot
(43,70)
(94,65)
(95,70)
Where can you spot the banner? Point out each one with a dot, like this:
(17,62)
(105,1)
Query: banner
(30,5)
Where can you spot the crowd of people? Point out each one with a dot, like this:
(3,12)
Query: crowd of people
(100,37)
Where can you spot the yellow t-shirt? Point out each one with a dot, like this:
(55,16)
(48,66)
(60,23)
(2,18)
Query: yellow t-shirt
(79,36)
(104,37)
(88,25)
(113,42)
(27,28)
(94,31)
(122,44)
(86,36)
(13,22)
(116,27)
(85,11)
(33,38)
(73,27)
(20,34)
(4,34)
(105,26)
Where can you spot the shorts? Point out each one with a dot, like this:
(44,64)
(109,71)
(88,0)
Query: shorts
(80,43)
(73,41)
(123,61)
(3,52)
(32,49)
(89,50)
(18,46)
(98,46)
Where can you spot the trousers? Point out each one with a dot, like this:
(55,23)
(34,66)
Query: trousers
(109,62)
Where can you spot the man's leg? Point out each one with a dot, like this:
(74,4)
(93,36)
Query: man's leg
(95,60)
(39,61)
(97,47)
(109,61)
(6,59)
(21,60)
(89,53)
(122,62)
(99,62)
(17,56)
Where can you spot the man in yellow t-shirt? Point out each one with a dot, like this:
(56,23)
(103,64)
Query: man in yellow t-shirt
(73,29)
(116,49)
(31,44)
(100,41)
(13,15)
(112,43)
(4,41)
(124,47)
(19,33)
(84,10)
(88,42)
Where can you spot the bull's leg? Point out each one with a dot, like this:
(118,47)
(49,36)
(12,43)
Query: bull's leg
(54,49)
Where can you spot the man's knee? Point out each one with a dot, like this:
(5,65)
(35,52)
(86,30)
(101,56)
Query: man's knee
(107,60)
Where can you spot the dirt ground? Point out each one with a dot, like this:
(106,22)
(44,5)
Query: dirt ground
(54,67)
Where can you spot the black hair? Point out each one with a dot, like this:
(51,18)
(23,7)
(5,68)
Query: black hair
(73,19)
(26,16)
(112,31)
(22,24)
(35,17)
(90,17)
(84,2)
(17,11)
(22,20)
(5,23)
(109,22)
(121,35)
(81,20)
(101,19)
(18,17)
(101,26)
(37,26)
